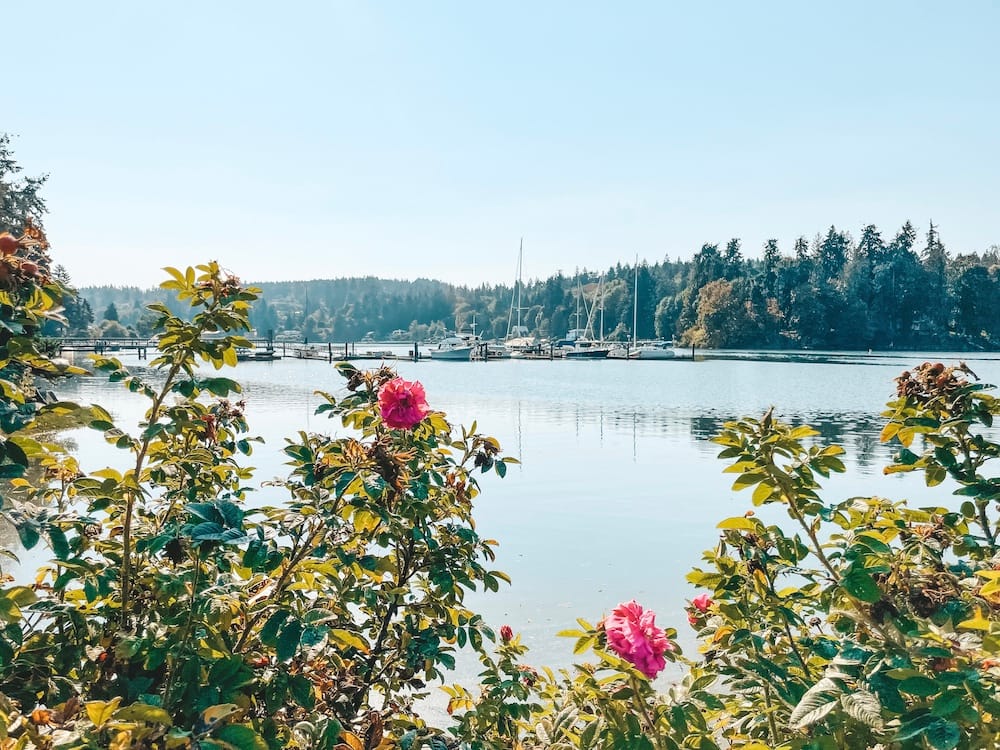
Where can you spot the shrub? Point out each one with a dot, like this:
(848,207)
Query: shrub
(175,614)
(867,624)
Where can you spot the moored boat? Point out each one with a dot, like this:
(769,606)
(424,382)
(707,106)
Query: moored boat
(653,350)
(454,349)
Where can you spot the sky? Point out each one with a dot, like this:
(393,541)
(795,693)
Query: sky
(406,139)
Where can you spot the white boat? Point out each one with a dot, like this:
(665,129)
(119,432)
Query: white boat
(518,342)
(454,349)
(490,350)
(621,351)
(649,349)
(653,350)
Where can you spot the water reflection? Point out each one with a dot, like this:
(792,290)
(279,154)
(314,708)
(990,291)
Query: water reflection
(618,490)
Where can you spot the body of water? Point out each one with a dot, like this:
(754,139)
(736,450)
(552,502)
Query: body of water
(618,490)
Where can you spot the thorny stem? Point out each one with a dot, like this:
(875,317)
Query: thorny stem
(644,711)
(817,549)
(401,579)
(187,630)
(132,495)
(971,466)
(771,723)
(984,521)
(787,628)
(297,556)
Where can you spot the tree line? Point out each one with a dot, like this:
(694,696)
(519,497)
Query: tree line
(834,292)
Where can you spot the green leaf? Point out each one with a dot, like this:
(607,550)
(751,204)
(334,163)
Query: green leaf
(919,685)
(302,691)
(28,534)
(288,641)
(269,633)
(748,480)
(241,737)
(943,735)
(948,703)
(57,538)
(861,586)
(934,475)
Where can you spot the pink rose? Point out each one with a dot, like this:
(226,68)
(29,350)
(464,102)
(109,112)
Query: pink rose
(402,403)
(702,602)
(506,633)
(633,635)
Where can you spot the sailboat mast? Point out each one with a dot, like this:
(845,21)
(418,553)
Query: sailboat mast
(600,289)
(579,296)
(635,303)
(520,260)
(514,297)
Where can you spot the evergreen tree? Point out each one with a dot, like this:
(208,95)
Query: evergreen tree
(19,196)
(772,257)
(733,260)
(938,305)
(832,255)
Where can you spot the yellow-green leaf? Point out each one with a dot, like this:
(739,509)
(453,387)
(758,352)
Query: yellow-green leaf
(100,712)
(144,712)
(740,523)
(889,432)
(977,622)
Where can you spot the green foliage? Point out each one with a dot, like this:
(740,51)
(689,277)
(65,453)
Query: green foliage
(867,623)
(175,614)
(837,294)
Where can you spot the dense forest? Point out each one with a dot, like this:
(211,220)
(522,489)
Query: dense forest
(835,292)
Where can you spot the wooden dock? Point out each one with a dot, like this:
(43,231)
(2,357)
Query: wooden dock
(107,345)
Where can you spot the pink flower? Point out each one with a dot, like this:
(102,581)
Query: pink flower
(692,619)
(506,633)
(702,602)
(402,403)
(633,635)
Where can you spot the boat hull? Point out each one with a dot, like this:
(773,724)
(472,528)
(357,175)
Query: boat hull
(461,354)
(654,355)
(589,353)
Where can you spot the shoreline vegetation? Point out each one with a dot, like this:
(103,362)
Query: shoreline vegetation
(833,293)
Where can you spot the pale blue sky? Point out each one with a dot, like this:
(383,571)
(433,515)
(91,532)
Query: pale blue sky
(405,139)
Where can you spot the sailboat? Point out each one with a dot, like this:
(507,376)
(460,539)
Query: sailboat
(518,343)
(580,342)
(650,349)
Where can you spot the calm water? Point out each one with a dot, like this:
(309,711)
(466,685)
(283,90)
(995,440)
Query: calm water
(618,490)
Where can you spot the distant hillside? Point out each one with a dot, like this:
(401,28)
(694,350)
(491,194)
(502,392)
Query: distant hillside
(834,292)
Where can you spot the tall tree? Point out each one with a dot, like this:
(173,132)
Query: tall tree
(19,196)
(938,305)
(772,257)
(733,259)
(832,255)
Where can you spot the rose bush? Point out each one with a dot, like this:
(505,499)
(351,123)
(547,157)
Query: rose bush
(172,614)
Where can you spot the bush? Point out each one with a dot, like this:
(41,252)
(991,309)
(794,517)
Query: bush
(175,615)
(868,624)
